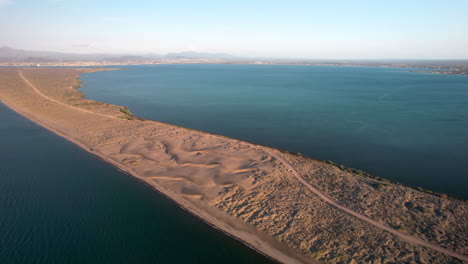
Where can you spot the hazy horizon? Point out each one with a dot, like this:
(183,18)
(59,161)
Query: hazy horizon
(336,30)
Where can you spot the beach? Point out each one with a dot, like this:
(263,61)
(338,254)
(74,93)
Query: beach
(257,194)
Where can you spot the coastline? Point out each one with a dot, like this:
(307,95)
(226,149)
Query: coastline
(209,214)
(451,72)
(267,247)
(423,69)
(267,250)
(186,207)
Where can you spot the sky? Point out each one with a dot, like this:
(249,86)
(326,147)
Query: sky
(332,29)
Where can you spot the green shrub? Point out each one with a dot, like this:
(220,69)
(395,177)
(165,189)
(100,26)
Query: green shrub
(380,186)
(126,111)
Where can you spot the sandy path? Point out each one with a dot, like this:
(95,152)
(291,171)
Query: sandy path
(405,237)
(56,101)
(410,239)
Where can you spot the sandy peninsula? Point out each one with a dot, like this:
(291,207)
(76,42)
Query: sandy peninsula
(292,208)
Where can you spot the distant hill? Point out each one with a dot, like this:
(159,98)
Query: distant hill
(198,55)
(8,54)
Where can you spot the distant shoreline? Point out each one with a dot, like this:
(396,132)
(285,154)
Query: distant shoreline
(439,70)
(444,72)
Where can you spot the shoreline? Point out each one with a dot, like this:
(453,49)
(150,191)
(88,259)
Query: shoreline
(449,72)
(181,205)
(269,251)
(446,71)
(209,214)
(342,167)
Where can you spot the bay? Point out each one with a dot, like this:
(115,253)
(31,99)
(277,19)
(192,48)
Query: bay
(406,126)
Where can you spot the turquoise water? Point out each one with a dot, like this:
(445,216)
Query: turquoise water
(408,127)
(60,204)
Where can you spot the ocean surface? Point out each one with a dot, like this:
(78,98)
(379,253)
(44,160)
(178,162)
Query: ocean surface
(60,204)
(405,126)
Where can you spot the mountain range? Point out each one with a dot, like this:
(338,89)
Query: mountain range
(11,55)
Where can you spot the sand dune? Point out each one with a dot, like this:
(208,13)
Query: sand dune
(294,209)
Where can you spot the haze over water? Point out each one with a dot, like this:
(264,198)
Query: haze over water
(405,126)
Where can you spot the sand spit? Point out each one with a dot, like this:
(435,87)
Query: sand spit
(263,197)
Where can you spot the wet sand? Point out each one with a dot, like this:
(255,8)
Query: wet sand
(254,193)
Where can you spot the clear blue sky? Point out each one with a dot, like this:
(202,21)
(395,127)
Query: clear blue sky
(332,29)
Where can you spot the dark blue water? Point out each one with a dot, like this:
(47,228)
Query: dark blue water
(408,127)
(60,204)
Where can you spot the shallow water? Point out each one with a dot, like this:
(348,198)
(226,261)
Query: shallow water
(405,126)
(60,204)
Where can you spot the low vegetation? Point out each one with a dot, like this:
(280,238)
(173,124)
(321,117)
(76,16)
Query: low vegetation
(126,111)
(127,114)
(79,84)
(383,183)
(381,186)
(355,171)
